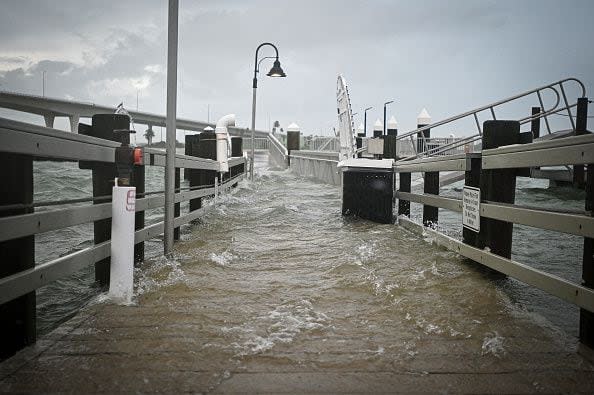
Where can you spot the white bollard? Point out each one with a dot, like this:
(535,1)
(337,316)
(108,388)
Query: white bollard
(121,283)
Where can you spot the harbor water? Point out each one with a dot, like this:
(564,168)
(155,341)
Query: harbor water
(285,268)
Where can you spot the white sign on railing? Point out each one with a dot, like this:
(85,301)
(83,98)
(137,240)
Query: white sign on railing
(471,204)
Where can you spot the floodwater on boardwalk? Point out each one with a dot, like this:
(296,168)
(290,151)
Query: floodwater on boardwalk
(272,285)
(274,271)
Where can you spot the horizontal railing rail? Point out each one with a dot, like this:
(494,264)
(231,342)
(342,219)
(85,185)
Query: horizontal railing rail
(44,143)
(575,150)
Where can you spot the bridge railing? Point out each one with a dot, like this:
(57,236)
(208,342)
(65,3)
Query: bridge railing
(316,143)
(20,221)
(492,172)
(319,165)
(260,143)
(278,153)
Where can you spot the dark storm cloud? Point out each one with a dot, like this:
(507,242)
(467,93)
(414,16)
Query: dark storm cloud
(446,56)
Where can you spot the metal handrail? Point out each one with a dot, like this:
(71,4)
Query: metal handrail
(277,144)
(543,114)
(498,103)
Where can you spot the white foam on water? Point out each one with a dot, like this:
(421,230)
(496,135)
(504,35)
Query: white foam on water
(493,344)
(158,273)
(280,325)
(222,259)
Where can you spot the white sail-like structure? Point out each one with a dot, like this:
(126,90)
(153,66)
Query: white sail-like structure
(346,129)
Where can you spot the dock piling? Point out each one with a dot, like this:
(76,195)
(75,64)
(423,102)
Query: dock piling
(18,327)
(103,175)
(293,139)
(431,186)
(405,183)
(498,185)
(581,127)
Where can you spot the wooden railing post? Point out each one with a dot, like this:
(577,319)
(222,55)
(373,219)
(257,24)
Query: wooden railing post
(18,315)
(176,206)
(138,181)
(293,139)
(587,317)
(498,185)
(431,186)
(193,174)
(404,205)
(104,174)
(581,127)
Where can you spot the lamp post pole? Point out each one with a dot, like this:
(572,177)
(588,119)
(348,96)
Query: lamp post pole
(365,121)
(276,71)
(385,104)
(170,124)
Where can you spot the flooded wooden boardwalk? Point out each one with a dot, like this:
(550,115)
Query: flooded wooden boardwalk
(275,292)
(163,345)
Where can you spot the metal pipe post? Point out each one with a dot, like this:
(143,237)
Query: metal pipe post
(170,124)
(255,86)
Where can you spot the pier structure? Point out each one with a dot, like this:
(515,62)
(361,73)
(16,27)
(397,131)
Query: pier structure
(165,340)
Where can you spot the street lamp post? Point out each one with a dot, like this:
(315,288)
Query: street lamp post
(365,121)
(275,71)
(385,104)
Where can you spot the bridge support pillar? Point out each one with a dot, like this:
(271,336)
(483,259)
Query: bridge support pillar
(74,119)
(18,316)
(405,183)
(498,185)
(49,120)
(587,317)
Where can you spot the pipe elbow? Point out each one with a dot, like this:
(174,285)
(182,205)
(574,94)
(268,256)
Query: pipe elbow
(224,123)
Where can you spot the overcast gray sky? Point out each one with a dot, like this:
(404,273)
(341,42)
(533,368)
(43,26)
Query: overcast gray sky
(447,56)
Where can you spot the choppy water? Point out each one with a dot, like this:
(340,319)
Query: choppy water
(281,244)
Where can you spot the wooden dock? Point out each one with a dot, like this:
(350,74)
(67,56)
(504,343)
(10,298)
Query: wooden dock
(169,342)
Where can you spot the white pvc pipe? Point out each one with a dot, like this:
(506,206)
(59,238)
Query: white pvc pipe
(122,244)
(222,140)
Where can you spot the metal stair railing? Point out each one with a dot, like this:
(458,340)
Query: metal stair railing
(556,87)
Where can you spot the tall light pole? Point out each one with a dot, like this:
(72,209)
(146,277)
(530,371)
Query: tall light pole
(43,84)
(170,124)
(385,104)
(365,121)
(275,71)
